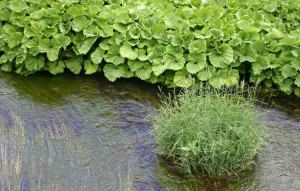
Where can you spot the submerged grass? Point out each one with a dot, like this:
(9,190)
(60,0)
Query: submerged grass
(215,132)
(50,158)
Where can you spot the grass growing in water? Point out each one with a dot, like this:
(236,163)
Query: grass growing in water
(216,132)
(53,158)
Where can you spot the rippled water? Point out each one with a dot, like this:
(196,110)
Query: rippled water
(85,133)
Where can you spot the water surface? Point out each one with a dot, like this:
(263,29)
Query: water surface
(84,133)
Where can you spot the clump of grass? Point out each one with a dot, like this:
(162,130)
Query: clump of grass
(215,132)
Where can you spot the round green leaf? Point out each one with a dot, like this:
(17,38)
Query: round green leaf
(296,63)
(56,67)
(75,64)
(144,73)
(286,86)
(112,72)
(51,47)
(297,92)
(182,78)
(158,66)
(7,67)
(127,52)
(260,65)
(134,65)
(174,63)
(223,57)
(206,73)
(288,71)
(297,80)
(35,63)
(97,56)
(86,45)
(90,68)
(198,46)
(197,62)
(113,55)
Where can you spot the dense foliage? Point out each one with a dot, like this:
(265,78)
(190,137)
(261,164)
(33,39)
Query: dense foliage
(174,42)
(214,132)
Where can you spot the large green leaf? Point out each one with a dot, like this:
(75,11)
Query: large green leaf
(296,63)
(225,77)
(112,72)
(198,46)
(197,62)
(33,46)
(75,64)
(297,80)
(90,68)
(203,34)
(51,47)
(260,65)
(182,2)
(35,63)
(182,78)
(142,55)
(97,56)
(127,72)
(91,31)
(246,53)
(106,31)
(223,57)
(177,51)
(35,29)
(134,65)
(56,67)
(7,67)
(18,6)
(127,52)
(144,73)
(221,3)
(113,55)
(76,10)
(297,92)
(86,45)
(174,63)
(276,34)
(286,86)
(134,33)
(206,73)
(79,23)
(62,40)
(158,66)
(288,71)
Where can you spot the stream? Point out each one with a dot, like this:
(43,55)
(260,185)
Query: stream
(85,133)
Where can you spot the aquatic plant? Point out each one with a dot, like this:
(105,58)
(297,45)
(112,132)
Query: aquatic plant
(214,132)
(48,158)
(159,41)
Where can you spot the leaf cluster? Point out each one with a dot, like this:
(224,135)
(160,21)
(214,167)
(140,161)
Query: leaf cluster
(174,42)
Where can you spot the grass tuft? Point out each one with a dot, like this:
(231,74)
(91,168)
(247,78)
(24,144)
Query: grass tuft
(215,132)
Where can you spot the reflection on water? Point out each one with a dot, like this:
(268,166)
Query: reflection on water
(84,133)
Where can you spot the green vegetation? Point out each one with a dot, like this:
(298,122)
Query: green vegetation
(174,42)
(215,132)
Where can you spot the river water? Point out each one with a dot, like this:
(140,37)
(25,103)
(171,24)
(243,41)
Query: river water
(84,133)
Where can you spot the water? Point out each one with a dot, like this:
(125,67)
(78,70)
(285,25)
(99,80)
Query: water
(85,133)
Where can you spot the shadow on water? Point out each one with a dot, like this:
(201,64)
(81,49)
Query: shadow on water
(85,133)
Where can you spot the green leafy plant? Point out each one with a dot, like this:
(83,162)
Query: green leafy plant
(172,42)
(213,131)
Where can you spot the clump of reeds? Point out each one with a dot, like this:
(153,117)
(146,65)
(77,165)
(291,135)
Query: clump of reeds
(212,131)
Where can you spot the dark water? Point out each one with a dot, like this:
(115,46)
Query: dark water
(85,133)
